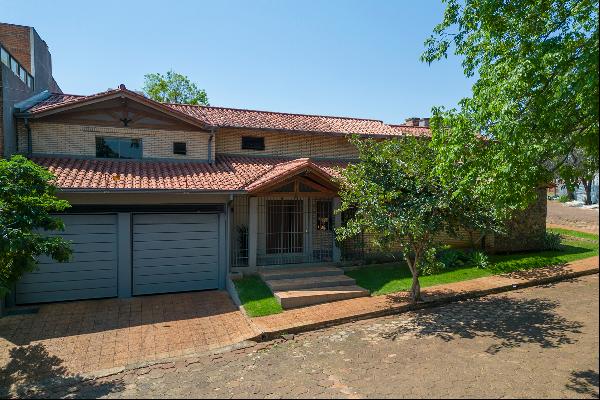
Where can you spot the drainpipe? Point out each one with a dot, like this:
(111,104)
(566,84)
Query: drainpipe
(210,140)
(29,145)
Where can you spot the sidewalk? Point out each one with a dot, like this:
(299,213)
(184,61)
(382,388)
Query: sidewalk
(317,316)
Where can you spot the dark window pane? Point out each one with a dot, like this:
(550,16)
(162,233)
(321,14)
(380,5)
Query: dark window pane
(253,143)
(287,188)
(179,148)
(108,147)
(324,215)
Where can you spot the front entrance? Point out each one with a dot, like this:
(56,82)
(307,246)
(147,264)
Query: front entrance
(294,230)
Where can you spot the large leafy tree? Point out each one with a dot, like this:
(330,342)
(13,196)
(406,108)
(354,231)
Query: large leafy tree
(579,169)
(535,96)
(26,200)
(394,194)
(173,88)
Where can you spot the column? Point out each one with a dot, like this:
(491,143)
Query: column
(252,231)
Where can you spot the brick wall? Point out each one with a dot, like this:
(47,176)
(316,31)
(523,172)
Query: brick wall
(527,229)
(70,139)
(229,141)
(16,40)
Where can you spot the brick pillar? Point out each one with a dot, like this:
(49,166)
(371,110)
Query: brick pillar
(252,231)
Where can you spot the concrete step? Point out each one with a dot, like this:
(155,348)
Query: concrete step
(310,282)
(306,297)
(299,272)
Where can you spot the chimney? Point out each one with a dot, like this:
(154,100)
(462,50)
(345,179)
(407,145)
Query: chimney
(412,122)
(424,122)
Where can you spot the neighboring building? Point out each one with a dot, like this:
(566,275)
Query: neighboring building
(560,189)
(171,197)
(25,70)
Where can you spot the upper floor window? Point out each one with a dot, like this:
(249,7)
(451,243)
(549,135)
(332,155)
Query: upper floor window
(112,147)
(253,143)
(180,148)
(4,56)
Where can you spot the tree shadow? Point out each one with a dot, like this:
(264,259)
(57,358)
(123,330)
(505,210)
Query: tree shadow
(33,373)
(511,322)
(584,382)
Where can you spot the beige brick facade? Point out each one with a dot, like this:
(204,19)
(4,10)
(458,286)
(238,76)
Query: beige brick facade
(282,144)
(71,139)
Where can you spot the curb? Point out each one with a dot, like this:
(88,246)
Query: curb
(438,301)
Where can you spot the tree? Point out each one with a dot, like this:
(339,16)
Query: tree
(395,194)
(579,169)
(535,96)
(173,88)
(26,201)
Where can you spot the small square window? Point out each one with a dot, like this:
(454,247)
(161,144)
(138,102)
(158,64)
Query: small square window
(180,148)
(253,143)
(4,56)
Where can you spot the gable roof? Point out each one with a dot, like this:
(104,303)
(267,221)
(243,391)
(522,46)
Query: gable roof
(223,117)
(228,173)
(58,102)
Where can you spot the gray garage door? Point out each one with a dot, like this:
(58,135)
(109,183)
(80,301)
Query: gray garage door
(92,271)
(175,252)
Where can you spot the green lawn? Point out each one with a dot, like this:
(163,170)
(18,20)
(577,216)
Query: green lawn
(390,278)
(257,298)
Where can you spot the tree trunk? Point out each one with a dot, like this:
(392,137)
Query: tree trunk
(570,194)
(587,184)
(415,290)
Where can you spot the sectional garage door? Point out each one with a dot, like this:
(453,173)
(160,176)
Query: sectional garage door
(92,271)
(175,252)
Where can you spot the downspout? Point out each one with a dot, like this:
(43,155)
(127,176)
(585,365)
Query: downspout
(29,140)
(210,140)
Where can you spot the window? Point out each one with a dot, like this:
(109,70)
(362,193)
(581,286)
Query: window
(253,143)
(4,56)
(323,215)
(30,81)
(14,65)
(180,148)
(111,147)
(22,74)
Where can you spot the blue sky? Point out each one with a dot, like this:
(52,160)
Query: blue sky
(328,57)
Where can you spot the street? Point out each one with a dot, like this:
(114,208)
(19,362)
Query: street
(536,342)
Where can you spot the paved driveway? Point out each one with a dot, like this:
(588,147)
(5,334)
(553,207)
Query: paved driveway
(87,336)
(560,215)
(540,342)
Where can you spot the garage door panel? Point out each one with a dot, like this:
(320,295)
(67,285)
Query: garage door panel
(75,294)
(176,287)
(90,273)
(175,252)
(152,219)
(174,228)
(74,267)
(176,244)
(170,277)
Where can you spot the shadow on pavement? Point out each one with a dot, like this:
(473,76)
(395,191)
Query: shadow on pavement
(33,373)
(512,322)
(584,382)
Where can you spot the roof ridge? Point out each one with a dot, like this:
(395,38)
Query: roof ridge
(276,112)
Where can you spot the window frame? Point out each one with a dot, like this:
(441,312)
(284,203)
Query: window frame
(120,140)
(4,56)
(256,139)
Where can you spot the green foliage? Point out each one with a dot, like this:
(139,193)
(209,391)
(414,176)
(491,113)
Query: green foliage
(395,193)
(173,88)
(563,198)
(430,263)
(256,297)
(552,241)
(452,258)
(480,260)
(535,96)
(570,234)
(26,201)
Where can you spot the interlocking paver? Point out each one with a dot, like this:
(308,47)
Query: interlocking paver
(87,336)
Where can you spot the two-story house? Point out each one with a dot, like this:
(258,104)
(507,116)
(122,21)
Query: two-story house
(172,197)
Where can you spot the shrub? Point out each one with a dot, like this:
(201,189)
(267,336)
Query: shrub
(430,264)
(552,241)
(452,258)
(480,260)
(563,198)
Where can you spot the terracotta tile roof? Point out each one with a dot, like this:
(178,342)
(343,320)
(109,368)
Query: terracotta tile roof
(253,119)
(228,173)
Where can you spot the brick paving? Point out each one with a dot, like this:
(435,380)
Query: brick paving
(93,335)
(306,318)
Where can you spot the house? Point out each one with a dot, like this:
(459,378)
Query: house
(173,197)
(25,70)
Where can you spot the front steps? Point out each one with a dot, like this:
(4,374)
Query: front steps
(304,286)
